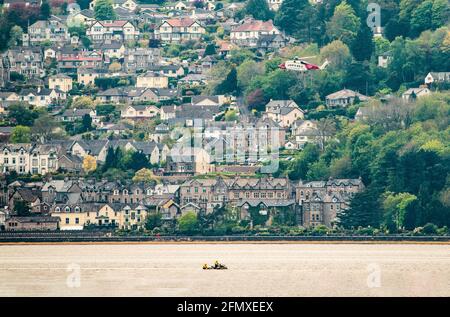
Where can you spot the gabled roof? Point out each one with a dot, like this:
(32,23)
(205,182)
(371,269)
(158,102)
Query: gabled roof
(180,22)
(94,147)
(255,26)
(346,93)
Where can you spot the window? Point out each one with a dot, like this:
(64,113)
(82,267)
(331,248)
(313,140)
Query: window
(77,220)
(67,221)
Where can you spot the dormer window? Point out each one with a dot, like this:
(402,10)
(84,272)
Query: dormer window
(67,209)
(57,209)
(125,192)
(77,209)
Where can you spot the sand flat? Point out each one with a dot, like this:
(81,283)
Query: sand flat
(254,270)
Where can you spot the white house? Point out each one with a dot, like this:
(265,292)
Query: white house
(250,31)
(119,30)
(140,112)
(437,77)
(413,93)
(180,30)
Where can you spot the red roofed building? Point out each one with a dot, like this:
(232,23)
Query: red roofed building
(119,30)
(180,30)
(250,31)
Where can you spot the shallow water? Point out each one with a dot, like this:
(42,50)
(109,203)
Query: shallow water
(254,270)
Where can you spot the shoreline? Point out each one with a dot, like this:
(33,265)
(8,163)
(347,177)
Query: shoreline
(345,242)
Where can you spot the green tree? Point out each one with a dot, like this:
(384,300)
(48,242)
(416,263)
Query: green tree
(301,164)
(188,223)
(15,36)
(21,114)
(45,128)
(363,46)
(21,134)
(86,123)
(258,9)
(337,53)
(421,18)
(22,208)
(231,115)
(229,85)
(45,10)
(110,159)
(364,211)
(145,175)
(103,10)
(396,207)
(210,49)
(440,13)
(344,24)
(246,72)
(154,220)
(300,19)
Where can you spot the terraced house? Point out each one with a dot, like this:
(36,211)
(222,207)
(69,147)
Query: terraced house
(79,216)
(213,193)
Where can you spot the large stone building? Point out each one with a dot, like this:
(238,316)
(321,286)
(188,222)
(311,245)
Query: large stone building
(321,201)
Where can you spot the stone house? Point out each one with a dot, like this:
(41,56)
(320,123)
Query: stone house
(188,161)
(139,58)
(37,223)
(321,201)
(208,193)
(29,196)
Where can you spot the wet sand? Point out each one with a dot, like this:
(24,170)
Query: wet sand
(254,270)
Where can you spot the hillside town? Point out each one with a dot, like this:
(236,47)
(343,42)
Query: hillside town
(222,117)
